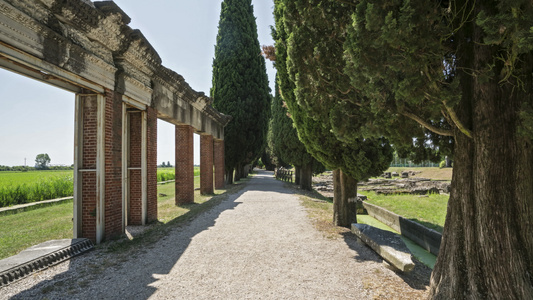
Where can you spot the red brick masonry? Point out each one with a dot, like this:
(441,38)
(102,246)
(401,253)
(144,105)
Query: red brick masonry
(184,164)
(219,164)
(206,164)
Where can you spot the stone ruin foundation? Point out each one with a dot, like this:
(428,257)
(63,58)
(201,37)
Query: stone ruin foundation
(413,185)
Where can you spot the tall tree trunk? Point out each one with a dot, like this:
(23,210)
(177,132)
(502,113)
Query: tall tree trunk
(237,173)
(344,204)
(487,242)
(337,195)
(349,194)
(306,177)
(229,176)
(297,174)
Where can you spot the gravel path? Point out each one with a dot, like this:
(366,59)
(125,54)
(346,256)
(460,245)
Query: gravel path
(258,243)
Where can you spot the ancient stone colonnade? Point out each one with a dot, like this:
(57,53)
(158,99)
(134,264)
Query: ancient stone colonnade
(121,90)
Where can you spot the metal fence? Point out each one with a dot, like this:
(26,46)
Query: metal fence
(405,163)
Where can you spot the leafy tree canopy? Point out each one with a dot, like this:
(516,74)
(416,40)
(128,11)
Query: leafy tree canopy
(42,161)
(313,87)
(437,75)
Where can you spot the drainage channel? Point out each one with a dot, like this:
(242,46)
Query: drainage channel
(40,257)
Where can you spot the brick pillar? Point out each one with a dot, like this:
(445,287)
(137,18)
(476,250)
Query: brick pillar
(184,164)
(151,161)
(113,164)
(206,164)
(219,164)
(134,168)
(85,172)
(98,166)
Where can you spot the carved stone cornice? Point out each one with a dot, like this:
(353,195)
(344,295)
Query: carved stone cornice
(91,42)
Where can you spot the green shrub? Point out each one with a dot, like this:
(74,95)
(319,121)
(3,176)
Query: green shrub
(165,175)
(442,164)
(49,188)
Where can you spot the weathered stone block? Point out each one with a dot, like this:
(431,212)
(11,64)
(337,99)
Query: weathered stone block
(387,244)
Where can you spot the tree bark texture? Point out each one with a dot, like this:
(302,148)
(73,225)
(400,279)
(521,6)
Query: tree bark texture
(306,177)
(344,189)
(297,173)
(487,243)
(238,173)
(229,176)
(337,195)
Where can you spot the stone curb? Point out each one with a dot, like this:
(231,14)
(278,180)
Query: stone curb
(18,207)
(426,238)
(78,246)
(387,244)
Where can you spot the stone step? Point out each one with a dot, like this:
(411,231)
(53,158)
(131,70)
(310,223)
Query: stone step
(40,257)
(387,244)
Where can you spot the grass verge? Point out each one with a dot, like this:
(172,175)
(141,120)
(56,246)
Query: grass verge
(31,227)
(320,211)
(170,215)
(429,211)
(25,229)
(429,172)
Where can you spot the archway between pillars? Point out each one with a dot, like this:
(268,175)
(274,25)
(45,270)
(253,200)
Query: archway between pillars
(121,89)
(207,153)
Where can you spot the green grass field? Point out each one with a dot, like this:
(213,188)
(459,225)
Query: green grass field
(429,211)
(32,227)
(25,187)
(27,228)
(166,174)
(9,178)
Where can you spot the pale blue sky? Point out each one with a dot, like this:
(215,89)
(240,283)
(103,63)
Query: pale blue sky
(38,118)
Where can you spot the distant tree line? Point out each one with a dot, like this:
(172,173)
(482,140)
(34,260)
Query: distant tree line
(165,165)
(27,168)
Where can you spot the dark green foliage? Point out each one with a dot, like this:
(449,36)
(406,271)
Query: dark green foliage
(286,144)
(42,161)
(432,77)
(309,63)
(414,82)
(240,84)
(267,160)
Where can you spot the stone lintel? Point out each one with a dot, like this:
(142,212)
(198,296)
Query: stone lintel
(87,45)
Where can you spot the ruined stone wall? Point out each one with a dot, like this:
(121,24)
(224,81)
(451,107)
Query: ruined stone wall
(77,45)
(88,48)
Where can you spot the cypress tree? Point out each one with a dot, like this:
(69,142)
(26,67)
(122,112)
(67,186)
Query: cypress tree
(240,86)
(450,72)
(469,65)
(288,147)
(314,102)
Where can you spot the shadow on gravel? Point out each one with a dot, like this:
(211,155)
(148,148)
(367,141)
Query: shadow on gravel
(416,279)
(112,266)
(130,272)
